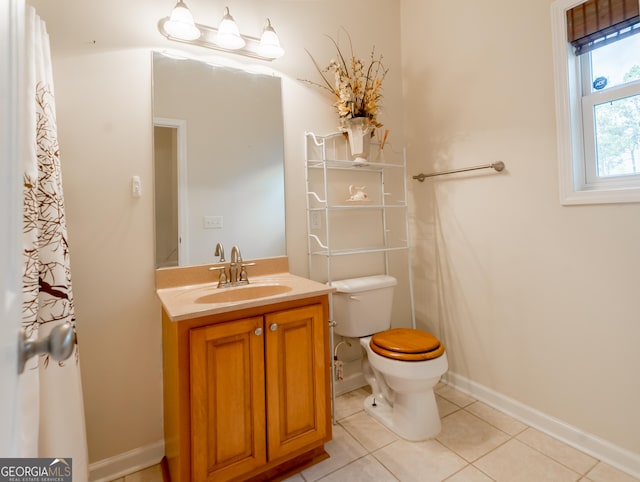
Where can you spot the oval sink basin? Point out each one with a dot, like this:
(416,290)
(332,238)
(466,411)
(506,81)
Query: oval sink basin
(242,293)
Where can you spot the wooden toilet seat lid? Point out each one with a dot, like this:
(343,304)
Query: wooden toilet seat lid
(406,344)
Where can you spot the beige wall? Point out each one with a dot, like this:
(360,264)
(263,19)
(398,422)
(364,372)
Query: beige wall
(101,56)
(534,300)
(106,138)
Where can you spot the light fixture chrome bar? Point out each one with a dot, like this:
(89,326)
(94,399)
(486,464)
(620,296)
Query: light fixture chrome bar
(207,39)
(498,166)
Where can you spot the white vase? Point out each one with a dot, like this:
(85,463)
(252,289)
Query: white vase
(358,131)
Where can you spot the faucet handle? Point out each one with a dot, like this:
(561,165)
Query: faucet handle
(244,277)
(222,280)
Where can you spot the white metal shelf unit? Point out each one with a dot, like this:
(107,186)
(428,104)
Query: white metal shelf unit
(328,206)
(334,223)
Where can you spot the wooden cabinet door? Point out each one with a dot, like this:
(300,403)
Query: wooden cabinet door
(227,399)
(297,402)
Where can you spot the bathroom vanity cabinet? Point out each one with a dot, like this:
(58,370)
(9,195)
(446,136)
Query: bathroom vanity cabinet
(247,393)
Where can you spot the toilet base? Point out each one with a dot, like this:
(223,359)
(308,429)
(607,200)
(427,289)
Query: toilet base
(423,424)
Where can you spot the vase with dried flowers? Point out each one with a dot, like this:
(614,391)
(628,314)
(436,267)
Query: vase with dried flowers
(357,88)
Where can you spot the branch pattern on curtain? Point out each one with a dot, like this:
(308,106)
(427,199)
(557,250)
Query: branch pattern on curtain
(47,277)
(52,419)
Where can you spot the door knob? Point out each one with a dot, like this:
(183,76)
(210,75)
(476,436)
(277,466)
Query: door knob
(59,345)
(273,327)
(258,331)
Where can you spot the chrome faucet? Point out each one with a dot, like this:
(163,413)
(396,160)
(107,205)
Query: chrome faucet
(236,258)
(237,269)
(220,252)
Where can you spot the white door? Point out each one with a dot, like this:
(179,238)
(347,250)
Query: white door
(11,34)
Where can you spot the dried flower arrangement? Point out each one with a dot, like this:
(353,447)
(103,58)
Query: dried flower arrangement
(356,85)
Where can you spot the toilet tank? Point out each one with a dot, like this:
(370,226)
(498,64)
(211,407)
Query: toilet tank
(362,306)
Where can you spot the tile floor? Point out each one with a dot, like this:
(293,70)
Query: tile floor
(477,444)
(151,474)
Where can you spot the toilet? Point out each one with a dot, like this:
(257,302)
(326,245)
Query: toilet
(401,365)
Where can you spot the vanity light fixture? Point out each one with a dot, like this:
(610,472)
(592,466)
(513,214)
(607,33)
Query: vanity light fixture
(181,27)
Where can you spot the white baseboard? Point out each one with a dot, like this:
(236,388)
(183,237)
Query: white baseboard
(597,447)
(349,383)
(126,463)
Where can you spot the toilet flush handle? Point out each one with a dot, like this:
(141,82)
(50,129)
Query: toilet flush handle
(354,298)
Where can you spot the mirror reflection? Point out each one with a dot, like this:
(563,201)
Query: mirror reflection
(218,160)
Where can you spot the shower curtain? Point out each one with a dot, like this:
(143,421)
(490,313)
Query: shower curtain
(52,419)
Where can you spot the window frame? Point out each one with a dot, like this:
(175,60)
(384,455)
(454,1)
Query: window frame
(589,102)
(570,130)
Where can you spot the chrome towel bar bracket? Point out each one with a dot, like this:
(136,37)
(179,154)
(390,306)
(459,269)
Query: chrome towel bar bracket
(498,166)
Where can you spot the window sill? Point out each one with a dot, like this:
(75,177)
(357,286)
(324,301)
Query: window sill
(599,196)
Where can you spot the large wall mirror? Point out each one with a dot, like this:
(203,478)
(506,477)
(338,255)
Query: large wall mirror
(218,160)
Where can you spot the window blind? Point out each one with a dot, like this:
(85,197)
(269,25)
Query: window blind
(595,23)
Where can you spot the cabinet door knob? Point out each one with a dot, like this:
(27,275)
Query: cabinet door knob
(273,327)
(258,331)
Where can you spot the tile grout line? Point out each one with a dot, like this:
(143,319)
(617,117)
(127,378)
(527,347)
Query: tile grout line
(467,466)
(581,475)
(348,463)
(511,437)
(514,437)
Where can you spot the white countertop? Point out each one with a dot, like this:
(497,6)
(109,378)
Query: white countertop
(194,300)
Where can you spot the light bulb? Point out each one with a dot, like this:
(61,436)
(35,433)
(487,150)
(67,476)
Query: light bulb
(228,34)
(181,24)
(269,43)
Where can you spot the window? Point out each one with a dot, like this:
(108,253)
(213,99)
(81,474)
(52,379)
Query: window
(611,112)
(597,75)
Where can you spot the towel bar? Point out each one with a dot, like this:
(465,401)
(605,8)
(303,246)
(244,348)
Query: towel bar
(498,166)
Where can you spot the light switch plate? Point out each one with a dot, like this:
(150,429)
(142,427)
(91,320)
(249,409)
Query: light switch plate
(316,220)
(212,222)
(136,186)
